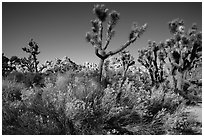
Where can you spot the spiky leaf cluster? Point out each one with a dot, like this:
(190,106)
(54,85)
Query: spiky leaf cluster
(114,17)
(33,48)
(101,12)
(137,31)
(176,26)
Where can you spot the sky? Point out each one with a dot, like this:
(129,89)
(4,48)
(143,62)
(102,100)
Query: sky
(60,28)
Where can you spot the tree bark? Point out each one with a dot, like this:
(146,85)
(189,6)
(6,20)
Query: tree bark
(152,76)
(101,69)
(124,75)
(111,53)
(35,63)
(180,81)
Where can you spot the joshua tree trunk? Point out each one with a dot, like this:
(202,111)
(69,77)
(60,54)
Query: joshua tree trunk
(35,64)
(124,75)
(101,69)
(118,97)
(152,77)
(174,82)
(180,81)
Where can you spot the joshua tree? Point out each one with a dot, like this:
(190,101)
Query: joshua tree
(184,51)
(14,61)
(5,65)
(27,64)
(96,36)
(153,59)
(127,61)
(8,65)
(33,51)
(181,52)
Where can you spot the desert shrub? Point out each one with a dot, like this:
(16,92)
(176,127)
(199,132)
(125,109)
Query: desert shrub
(181,122)
(11,102)
(165,107)
(118,116)
(75,95)
(32,79)
(150,108)
(162,98)
(30,115)
(11,91)
(75,102)
(16,76)
(78,96)
(29,79)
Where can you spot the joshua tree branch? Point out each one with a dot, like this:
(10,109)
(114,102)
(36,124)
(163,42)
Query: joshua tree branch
(122,47)
(100,34)
(107,43)
(155,63)
(97,53)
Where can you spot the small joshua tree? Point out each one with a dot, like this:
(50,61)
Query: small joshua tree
(8,65)
(96,36)
(27,64)
(47,67)
(33,51)
(184,51)
(153,59)
(127,61)
(5,66)
(14,61)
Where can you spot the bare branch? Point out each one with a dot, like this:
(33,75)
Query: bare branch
(97,53)
(122,47)
(107,43)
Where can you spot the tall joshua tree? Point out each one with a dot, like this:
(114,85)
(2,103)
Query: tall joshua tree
(184,51)
(33,51)
(95,37)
